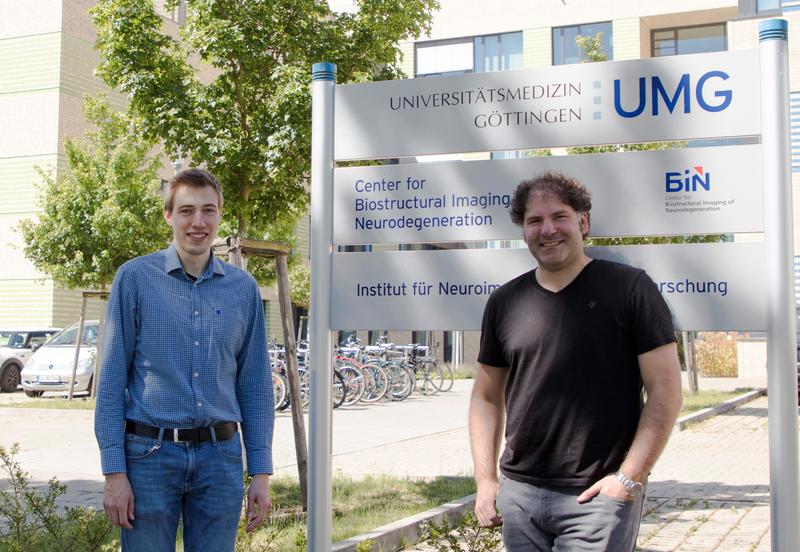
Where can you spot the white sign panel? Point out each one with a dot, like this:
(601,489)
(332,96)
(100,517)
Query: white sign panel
(666,192)
(717,286)
(669,98)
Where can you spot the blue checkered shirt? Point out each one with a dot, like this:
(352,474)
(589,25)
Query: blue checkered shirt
(186,354)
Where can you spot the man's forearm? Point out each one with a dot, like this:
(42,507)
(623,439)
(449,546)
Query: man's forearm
(655,426)
(485,430)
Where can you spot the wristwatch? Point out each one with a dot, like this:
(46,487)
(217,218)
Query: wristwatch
(634,488)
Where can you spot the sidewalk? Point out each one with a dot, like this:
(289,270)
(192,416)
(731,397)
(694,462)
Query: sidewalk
(708,492)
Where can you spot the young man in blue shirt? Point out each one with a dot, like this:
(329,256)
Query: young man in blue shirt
(184,366)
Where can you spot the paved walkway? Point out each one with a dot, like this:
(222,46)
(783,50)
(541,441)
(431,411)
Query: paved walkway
(709,491)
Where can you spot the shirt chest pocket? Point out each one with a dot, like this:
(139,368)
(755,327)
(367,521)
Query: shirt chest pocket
(228,327)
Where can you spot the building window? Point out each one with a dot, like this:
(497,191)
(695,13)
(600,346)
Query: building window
(444,57)
(469,55)
(565,51)
(690,40)
(498,52)
(750,8)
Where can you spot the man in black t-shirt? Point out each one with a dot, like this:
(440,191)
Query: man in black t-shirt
(565,352)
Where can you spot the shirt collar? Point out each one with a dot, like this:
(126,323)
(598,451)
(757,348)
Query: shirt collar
(172,263)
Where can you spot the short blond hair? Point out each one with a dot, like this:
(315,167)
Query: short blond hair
(194,178)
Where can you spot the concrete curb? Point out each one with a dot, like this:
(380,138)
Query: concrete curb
(391,536)
(685,421)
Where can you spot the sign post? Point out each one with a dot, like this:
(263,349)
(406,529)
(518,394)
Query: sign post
(784,487)
(320,460)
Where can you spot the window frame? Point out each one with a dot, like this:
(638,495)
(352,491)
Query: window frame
(679,28)
(462,40)
(749,8)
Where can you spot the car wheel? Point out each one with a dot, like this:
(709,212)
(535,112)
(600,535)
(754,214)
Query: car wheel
(34,393)
(9,379)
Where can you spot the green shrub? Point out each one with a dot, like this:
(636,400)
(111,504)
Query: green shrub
(716,354)
(466,536)
(32,521)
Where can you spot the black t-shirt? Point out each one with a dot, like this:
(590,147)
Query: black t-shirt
(573,396)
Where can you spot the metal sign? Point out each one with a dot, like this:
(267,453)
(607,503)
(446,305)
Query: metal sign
(710,286)
(666,192)
(669,98)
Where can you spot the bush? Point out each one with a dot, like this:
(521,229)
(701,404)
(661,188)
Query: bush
(716,354)
(33,522)
(466,536)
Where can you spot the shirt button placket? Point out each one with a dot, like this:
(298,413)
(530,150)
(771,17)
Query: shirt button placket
(197,329)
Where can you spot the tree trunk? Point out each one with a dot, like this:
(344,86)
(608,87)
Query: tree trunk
(292,372)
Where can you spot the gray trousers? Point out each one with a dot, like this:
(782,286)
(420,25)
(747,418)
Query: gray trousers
(550,519)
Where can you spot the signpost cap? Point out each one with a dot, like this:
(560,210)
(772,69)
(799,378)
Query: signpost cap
(773,28)
(323,71)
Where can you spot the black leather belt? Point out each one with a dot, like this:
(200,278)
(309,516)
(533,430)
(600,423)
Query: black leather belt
(223,431)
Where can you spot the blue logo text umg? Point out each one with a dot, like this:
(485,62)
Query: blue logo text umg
(704,91)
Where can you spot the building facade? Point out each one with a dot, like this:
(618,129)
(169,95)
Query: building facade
(47,62)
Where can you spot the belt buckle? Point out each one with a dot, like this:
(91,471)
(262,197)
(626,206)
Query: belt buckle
(176,435)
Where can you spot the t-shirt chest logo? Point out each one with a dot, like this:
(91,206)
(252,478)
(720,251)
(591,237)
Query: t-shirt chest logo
(593,304)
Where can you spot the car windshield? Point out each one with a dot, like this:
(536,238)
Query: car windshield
(15,340)
(67,336)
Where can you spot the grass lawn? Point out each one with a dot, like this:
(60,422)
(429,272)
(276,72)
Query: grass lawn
(691,403)
(358,506)
(705,399)
(58,403)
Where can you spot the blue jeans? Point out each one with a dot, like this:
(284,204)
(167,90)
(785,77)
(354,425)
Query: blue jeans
(545,519)
(200,481)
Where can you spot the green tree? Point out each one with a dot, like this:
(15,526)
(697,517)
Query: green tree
(103,210)
(248,117)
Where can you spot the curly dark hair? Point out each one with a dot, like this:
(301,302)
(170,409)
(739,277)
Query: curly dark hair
(567,189)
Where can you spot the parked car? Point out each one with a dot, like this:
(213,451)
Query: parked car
(50,367)
(16,346)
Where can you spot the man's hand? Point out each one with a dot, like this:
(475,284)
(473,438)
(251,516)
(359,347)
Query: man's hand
(609,486)
(485,509)
(118,500)
(258,501)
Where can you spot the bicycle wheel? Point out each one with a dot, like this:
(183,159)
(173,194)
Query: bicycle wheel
(401,381)
(429,377)
(353,383)
(376,383)
(339,390)
(449,377)
(280,389)
(304,378)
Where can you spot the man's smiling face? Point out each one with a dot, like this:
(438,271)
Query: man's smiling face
(554,232)
(194,219)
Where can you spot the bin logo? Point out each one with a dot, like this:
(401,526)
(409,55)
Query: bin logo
(687,181)
(707,95)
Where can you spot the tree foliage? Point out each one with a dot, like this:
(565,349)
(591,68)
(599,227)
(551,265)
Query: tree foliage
(247,118)
(103,210)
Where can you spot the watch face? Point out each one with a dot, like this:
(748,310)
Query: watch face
(635,489)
